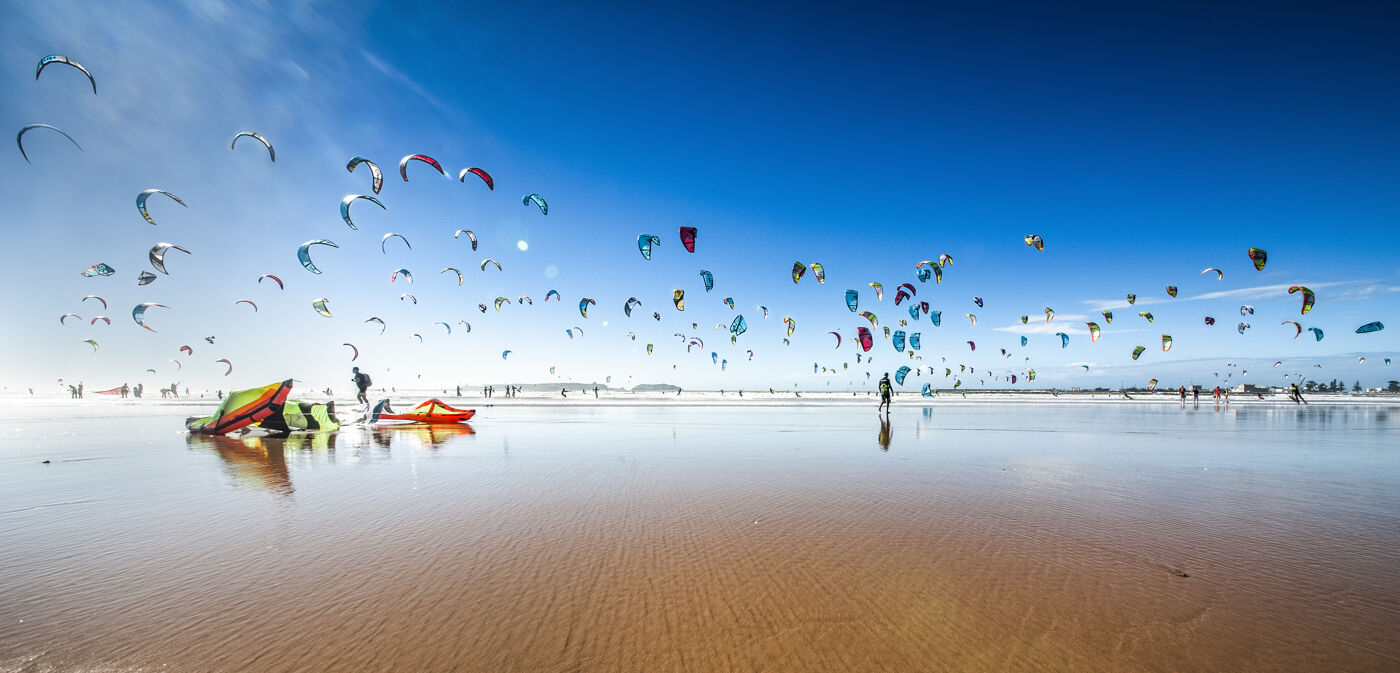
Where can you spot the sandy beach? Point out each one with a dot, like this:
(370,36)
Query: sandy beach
(982,537)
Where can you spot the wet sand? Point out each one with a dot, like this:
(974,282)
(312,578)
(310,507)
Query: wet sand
(987,537)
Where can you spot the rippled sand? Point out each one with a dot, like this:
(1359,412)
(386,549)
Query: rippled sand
(976,538)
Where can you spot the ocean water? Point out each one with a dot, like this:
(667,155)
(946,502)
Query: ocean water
(988,536)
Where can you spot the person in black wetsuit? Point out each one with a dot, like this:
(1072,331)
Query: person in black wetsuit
(362,382)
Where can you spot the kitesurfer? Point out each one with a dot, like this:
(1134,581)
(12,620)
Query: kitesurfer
(362,381)
(126,390)
(885,391)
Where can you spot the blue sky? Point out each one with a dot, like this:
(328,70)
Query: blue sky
(1143,145)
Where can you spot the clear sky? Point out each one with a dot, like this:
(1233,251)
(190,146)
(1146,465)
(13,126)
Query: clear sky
(1143,145)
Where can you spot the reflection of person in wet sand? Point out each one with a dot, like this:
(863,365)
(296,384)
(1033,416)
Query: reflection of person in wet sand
(884,433)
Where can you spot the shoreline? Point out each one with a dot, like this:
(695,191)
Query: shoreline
(579,398)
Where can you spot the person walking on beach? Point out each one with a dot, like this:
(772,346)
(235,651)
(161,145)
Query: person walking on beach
(126,390)
(595,392)
(80,390)
(73,391)
(885,391)
(1195,394)
(1183,394)
(362,382)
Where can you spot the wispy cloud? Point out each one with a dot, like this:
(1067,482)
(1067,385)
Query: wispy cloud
(404,80)
(1369,290)
(1258,292)
(1069,323)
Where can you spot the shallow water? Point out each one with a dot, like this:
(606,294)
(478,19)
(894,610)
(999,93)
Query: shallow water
(982,537)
